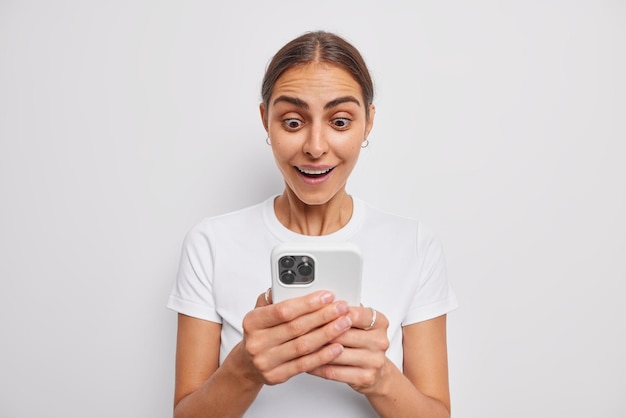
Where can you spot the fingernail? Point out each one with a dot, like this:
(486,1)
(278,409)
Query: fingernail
(335,350)
(342,308)
(327,297)
(344,323)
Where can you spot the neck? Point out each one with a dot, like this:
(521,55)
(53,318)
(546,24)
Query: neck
(305,219)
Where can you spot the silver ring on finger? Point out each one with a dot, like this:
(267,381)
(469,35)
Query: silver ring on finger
(371,325)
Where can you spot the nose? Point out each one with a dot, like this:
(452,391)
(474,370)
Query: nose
(316,144)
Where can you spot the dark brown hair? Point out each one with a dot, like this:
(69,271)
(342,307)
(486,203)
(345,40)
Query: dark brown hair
(322,47)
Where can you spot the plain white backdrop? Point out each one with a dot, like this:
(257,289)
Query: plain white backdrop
(501,124)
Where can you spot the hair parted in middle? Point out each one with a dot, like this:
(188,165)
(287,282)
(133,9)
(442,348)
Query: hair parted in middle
(319,47)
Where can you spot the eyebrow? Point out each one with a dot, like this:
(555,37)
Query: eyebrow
(340,100)
(304,105)
(293,100)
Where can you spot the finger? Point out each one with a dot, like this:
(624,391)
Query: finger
(260,301)
(305,344)
(264,298)
(363,358)
(364,318)
(303,364)
(311,321)
(279,313)
(358,338)
(358,378)
(280,334)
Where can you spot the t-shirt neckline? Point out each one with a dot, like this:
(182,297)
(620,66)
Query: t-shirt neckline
(284,234)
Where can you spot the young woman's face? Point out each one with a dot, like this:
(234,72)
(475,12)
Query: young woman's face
(316,122)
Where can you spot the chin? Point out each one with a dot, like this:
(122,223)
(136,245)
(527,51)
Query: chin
(314,199)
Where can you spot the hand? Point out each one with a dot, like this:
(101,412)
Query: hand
(363,362)
(295,336)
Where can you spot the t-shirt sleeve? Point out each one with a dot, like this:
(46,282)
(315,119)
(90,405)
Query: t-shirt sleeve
(192,293)
(434,295)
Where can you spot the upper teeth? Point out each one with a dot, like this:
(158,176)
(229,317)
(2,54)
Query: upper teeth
(315,172)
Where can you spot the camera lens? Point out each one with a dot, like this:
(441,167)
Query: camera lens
(305,269)
(287,262)
(287,277)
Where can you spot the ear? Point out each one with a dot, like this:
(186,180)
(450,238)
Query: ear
(262,111)
(370,120)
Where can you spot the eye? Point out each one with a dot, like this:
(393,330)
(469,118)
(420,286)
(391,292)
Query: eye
(292,124)
(341,123)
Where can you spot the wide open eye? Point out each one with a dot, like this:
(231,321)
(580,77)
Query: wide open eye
(292,124)
(341,123)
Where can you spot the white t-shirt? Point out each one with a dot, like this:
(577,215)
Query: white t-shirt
(225,266)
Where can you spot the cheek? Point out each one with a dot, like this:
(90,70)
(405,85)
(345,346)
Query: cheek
(351,150)
(286,146)
(282,151)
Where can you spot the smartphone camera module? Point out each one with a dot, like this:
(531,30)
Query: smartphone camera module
(301,275)
(305,269)
(287,277)
(287,262)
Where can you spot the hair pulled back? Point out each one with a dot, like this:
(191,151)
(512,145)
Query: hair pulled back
(319,47)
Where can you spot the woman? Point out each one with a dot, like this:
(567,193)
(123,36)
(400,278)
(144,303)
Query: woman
(312,355)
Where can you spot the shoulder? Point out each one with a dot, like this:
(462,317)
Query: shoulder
(235,219)
(238,223)
(385,220)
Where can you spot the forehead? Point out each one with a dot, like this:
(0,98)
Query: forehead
(316,80)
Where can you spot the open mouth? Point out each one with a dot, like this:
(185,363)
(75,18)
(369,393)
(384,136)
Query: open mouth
(314,173)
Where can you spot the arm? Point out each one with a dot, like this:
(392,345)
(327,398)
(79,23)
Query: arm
(279,342)
(421,391)
(202,388)
(426,358)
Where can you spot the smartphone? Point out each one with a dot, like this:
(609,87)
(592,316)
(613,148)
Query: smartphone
(302,268)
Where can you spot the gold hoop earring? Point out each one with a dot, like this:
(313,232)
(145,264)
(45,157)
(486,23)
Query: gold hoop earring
(365,143)
(267,140)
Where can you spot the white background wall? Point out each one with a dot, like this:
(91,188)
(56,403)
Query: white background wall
(500,124)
